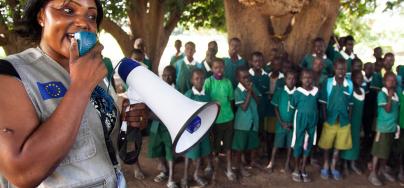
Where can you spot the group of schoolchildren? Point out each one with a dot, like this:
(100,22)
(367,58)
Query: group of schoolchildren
(328,105)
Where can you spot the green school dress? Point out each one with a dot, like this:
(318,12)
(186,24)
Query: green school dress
(148,63)
(332,53)
(246,123)
(230,68)
(308,60)
(282,101)
(184,70)
(305,120)
(203,148)
(261,82)
(356,123)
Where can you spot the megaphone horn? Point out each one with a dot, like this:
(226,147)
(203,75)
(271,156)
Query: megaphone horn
(186,120)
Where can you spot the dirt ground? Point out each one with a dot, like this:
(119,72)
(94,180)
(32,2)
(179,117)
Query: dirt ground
(259,178)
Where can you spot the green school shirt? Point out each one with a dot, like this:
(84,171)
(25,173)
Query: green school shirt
(230,68)
(305,101)
(184,70)
(337,103)
(174,59)
(197,96)
(207,69)
(348,59)
(332,53)
(157,127)
(148,63)
(261,82)
(377,81)
(401,122)
(308,59)
(222,92)
(249,119)
(386,121)
(282,100)
(279,83)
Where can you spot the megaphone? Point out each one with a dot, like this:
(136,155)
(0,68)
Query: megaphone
(187,120)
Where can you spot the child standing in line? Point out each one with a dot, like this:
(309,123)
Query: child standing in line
(284,113)
(318,51)
(160,145)
(203,148)
(178,55)
(184,68)
(304,102)
(276,81)
(400,141)
(352,155)
(220,89)
(233,61)
(246,122)
(336,133)
(387,116)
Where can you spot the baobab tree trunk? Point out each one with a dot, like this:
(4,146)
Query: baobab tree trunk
(290,24)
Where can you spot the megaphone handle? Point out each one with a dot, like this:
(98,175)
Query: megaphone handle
(137,133)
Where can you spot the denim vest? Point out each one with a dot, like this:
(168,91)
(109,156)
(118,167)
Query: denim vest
(87,164)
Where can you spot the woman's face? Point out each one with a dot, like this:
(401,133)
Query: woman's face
(60,19)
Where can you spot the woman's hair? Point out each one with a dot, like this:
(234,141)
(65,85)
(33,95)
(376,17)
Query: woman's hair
(29,26)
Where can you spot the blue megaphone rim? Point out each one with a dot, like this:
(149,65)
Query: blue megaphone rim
(190,120)
(126,66)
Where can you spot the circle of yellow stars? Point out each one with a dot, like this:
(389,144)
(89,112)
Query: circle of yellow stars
(50,89)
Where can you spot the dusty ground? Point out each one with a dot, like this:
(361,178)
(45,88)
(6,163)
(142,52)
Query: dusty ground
(259,179)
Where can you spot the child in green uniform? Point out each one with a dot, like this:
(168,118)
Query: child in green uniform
(387,119)
(260,80)
(139,45)
(207,62)
(184,68)
(318,51)
(276,81)
(357,110)
(220,89)
(284,113)
(348,54)
(400,142)
(138,55)
(319,76)
(336,133)
(233,61)
(203,148)
(246,121)
(304,102)
(178,55)
(272,54)
(378,54)
(160,145)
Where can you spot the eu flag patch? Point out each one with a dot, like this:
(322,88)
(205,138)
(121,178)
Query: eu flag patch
(51,90)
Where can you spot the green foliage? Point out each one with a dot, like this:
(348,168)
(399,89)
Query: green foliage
(204,14)
(349,22)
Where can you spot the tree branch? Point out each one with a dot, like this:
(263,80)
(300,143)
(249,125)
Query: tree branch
(119,34)
(175,17)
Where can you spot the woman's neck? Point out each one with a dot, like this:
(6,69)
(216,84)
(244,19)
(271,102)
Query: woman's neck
(64,62)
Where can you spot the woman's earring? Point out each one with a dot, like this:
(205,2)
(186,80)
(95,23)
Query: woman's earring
(41,24)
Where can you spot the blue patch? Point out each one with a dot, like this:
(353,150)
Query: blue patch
(51,90)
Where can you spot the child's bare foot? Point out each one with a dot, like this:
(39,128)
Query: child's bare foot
(172,184)
(244,172)
(160,177)
(200,181)
(139,175)
(270,167)
(208,171)
(184,183)
(230,175)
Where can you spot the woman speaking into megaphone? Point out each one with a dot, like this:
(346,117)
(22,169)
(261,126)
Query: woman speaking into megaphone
(56,114)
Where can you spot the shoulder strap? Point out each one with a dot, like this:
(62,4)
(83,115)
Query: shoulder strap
(350,86)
